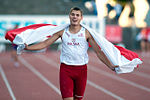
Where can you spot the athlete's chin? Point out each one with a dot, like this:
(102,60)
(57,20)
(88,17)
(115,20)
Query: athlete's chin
(75,24)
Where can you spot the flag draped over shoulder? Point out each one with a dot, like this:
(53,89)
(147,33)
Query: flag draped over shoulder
(126,60)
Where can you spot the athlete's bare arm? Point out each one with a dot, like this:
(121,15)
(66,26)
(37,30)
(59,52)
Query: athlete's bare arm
(98,51)
(45,43)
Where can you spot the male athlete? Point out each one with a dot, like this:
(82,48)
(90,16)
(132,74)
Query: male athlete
(74,57)
(14,50)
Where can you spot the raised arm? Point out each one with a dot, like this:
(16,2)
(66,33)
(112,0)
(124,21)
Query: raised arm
(100,54)
(46,43)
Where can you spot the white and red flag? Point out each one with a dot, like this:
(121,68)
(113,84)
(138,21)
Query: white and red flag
(126,60)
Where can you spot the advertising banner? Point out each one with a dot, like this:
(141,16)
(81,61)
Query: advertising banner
(113,33)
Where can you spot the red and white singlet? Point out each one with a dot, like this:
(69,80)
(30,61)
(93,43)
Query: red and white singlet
(74,48)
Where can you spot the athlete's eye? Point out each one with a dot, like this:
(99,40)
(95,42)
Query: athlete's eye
(72,14)
(77,15)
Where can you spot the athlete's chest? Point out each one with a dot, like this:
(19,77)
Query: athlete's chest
(74,39)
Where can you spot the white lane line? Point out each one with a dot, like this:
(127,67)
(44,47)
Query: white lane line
(124,80)
(104,90)
(142,74)
(7,83)
(50,61)
(136,73)
(36,72)
(97,70)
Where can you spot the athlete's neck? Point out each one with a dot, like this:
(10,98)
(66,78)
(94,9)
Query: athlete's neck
(74,28)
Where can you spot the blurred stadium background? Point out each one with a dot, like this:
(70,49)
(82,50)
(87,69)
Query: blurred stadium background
(117,20)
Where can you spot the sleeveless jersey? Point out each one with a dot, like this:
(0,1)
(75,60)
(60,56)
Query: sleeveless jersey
(74,48)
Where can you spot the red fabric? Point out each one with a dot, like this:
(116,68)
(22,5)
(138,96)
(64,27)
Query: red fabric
(73,80)
(90,45)
(130,55)
(10,35)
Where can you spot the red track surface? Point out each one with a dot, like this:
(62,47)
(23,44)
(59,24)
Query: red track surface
(37,78)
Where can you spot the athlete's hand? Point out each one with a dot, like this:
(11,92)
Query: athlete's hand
(113,67)
(26,46)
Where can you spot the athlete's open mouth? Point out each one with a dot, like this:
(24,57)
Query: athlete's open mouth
(74,20)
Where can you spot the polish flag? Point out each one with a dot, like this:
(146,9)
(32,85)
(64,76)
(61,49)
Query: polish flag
(10,35)
(127,60)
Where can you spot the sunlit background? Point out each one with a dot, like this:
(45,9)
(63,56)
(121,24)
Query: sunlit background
(127,12)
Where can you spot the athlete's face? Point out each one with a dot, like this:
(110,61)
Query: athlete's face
(75,17)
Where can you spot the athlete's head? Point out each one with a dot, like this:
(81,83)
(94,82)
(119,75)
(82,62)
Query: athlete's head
(75,16)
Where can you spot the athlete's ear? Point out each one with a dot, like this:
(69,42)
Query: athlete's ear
(81,17)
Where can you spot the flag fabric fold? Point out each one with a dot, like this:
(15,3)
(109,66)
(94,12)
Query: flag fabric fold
(126,60)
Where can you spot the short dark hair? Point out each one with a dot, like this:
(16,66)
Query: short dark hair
(77,9)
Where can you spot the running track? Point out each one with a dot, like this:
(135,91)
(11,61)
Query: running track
(37,78)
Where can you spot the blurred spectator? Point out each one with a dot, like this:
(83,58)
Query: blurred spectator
(14,55)
(116,7)
(91,6)
(144,38)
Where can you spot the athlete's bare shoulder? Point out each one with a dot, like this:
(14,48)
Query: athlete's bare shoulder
(60,33)
(87,34)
